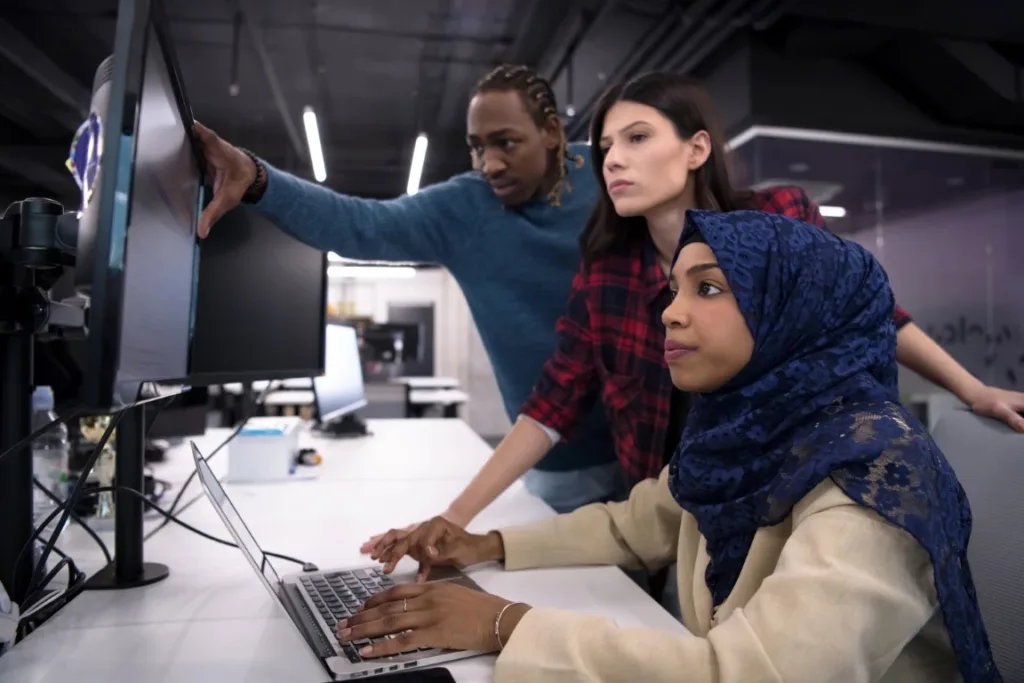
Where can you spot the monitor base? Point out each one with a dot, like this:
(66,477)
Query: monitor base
(348,426)
(107,579)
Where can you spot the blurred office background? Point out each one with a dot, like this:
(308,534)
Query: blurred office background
(905,120)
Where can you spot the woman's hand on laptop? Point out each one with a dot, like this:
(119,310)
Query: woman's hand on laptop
(377,543)
(438,541)
(440,614)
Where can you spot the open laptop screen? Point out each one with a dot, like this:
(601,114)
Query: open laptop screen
(236,527)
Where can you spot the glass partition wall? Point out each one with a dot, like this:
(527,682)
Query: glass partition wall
(946,221)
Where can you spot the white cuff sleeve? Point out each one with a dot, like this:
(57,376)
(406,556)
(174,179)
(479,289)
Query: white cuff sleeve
(554,436)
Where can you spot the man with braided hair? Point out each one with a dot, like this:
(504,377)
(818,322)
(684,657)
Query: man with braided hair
(508,232)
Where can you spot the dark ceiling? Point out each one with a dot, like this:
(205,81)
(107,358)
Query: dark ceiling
(379,71)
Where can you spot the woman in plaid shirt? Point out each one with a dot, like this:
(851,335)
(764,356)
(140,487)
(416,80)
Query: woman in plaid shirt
(657,153)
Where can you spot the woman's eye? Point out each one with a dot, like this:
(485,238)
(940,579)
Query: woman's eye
(673,293)
(708,289)
(638,137)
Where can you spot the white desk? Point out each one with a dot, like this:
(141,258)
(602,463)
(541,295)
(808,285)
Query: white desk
(212,622)
(428,382)
(443,397)
(290,397)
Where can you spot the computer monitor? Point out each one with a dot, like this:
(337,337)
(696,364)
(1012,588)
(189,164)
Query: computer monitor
(137,252)
(340,390)
(261,304)
(135,261)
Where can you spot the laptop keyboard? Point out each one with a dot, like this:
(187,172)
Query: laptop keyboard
(338,595)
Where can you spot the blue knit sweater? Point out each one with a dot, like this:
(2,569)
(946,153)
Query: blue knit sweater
(515,267)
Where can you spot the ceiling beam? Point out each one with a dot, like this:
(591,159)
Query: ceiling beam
(256,36)
(31,163)
(49,124)
(30,59)
(588,20)
(988,21)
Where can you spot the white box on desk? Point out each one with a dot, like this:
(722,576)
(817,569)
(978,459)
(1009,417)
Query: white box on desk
(264,450)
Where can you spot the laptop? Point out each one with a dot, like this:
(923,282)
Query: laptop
(316,601)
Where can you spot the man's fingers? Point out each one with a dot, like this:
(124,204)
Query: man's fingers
(211,214)
(203,133)
(221,203)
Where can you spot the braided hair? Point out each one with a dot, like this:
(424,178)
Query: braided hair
(539,99)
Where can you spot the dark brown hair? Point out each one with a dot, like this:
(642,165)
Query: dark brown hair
(539,99)
(687,105)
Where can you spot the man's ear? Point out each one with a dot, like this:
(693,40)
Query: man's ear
(552,129)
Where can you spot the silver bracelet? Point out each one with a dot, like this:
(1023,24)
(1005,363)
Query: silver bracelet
(497,624)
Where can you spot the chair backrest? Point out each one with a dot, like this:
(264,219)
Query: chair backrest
(988,458)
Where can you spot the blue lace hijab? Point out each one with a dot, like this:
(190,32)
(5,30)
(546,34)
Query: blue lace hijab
(818,399)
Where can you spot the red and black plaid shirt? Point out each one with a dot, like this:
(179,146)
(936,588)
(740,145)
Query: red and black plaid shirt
(611,345)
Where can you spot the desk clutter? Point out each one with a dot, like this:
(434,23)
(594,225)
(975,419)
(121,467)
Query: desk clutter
(266,449)
(178,633)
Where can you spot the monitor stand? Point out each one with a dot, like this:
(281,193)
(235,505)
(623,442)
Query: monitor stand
(349,426)
(129,570)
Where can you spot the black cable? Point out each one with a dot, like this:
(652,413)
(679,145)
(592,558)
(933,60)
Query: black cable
(78,520)
(76,492)
(185,525)
(76,584)
(69,504)
(61,419)
(74,575)
(181,493)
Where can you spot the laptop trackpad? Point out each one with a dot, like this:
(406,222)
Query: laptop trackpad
(451,574)
(443,573)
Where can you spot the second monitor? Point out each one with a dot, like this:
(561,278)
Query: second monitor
(340,391)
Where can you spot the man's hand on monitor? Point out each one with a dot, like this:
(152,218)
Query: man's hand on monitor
(438,542)
(232,171)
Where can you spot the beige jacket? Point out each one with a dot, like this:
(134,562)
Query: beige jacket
(832,595)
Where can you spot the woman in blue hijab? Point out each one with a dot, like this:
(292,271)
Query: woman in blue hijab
(819,532)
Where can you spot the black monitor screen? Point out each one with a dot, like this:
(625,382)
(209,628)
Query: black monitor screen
(261,303)
(340,390)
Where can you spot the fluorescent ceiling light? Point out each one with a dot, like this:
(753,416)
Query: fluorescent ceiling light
(372,272)
(832,211)
(419,155)
(316,152)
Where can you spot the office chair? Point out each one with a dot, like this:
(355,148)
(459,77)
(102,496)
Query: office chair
(988,458)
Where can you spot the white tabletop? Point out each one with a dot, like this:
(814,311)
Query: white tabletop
(290,397)
(212,622)
(428,382)
(437,396)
